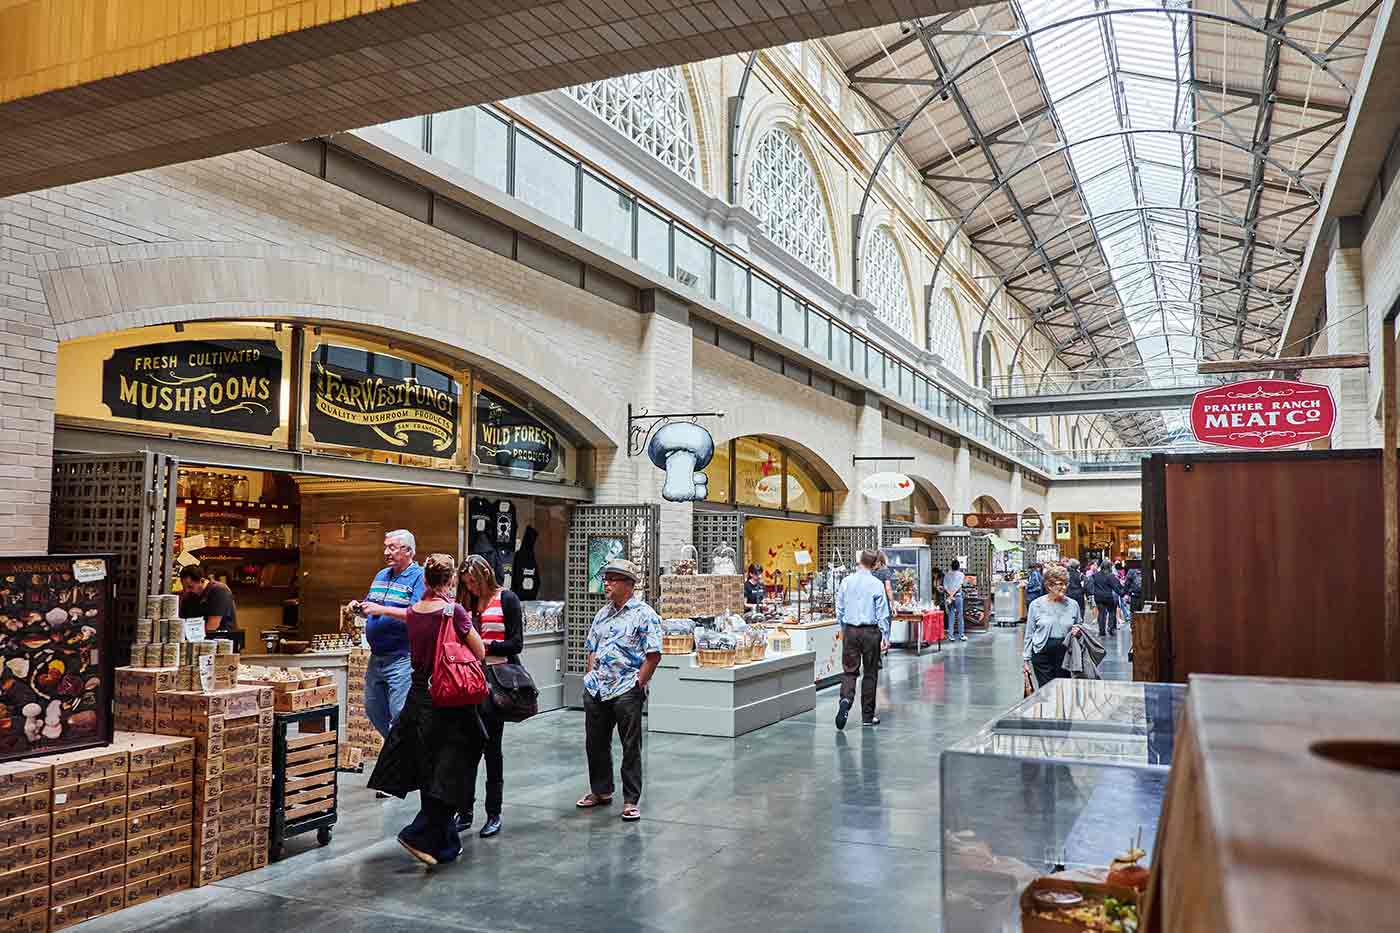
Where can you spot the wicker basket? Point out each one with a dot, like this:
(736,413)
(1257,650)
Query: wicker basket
(757,651)
(713,657)
(742,655)
(677,644)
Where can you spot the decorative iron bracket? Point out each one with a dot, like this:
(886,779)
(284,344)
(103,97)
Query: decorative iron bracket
(641,425)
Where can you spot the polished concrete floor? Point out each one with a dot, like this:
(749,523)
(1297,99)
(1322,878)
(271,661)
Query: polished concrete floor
(794,827)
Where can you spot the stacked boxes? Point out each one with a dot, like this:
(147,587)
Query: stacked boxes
(694,596)
(134,707)
(89,805)
(232,789)
(359,733)
(25,847)
(160,810)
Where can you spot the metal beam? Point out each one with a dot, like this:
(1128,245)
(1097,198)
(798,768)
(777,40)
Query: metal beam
(992,136)
(1287,364)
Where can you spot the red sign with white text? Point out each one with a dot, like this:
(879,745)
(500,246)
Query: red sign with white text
(1261,414)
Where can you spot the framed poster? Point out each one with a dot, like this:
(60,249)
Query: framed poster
(601,549)
(56,642)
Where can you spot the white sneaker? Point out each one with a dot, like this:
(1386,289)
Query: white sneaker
(963,638)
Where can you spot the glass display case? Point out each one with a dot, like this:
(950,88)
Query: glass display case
(911,560)
(1066,780)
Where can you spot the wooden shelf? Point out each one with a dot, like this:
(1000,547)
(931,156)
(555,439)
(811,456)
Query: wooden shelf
(266,554)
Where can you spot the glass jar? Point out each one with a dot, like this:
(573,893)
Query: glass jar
(182,484)
(225,486)
(240,488)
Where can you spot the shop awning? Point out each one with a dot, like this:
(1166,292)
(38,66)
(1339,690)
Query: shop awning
(1001,544)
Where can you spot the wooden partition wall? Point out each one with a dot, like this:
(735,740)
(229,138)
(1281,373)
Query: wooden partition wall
(1271,564)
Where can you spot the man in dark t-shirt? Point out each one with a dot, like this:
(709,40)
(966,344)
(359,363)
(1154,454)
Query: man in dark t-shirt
(208,599)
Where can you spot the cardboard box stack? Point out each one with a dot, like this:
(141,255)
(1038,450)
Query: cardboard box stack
(134,703)
(358,731)
(88,871)
(232,791)
(25,846)
(694,596)
(160,811)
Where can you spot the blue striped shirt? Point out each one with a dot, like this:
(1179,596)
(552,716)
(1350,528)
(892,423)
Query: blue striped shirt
(389,636)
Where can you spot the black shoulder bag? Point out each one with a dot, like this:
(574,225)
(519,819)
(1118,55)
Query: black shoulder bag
(514,696)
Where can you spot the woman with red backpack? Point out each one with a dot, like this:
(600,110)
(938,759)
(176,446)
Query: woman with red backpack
(439,735)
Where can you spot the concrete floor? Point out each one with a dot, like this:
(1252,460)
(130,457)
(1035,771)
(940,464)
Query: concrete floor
(793,827)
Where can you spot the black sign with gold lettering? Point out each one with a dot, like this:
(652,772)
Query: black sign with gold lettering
(228,385)
(511,438)
(381,402)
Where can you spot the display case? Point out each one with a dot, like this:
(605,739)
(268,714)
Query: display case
(1064,781)
(915,559)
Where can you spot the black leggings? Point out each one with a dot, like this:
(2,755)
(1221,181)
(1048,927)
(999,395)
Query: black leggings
(495,762)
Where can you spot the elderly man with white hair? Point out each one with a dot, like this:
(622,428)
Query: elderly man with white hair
(395,588)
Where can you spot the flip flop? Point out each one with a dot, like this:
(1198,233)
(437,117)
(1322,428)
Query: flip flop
(589,801)
(631,813)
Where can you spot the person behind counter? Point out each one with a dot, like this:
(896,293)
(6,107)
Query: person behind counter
(496,615)
(395,588)
(754,591)
(431,749)
(201,597)
(1051,621)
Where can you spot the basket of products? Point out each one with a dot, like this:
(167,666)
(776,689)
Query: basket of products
(779,641)
(758,642)
(723,560)
(1054,905)
(688,564)
(677,636)
(716,649)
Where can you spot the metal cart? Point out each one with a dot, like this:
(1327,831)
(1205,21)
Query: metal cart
(304,768)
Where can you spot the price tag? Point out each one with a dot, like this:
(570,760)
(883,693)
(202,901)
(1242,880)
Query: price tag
(89,570)
(193,629)
(254,523)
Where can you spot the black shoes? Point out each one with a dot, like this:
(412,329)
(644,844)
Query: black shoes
(843,711)
(492,827)
(464,821)
(871,722)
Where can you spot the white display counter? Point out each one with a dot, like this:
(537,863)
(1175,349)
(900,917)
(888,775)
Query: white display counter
(823,638)
(729,701)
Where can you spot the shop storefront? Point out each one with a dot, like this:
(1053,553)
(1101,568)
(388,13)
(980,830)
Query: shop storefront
(298,448)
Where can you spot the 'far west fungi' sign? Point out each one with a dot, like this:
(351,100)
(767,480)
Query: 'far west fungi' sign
(1261,414)
(380,402)
(225,385)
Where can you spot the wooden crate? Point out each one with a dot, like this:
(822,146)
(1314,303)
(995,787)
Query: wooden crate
(296,701)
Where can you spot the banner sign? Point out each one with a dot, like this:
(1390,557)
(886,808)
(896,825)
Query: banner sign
(1031,526)
(1062,529)
(509,437)
(990,519)
(359,400)
(887,487)
(227,385)
(1261,414)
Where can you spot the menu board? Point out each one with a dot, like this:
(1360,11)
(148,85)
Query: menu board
(228,385)
(56,630)
(381,402)
(509,437)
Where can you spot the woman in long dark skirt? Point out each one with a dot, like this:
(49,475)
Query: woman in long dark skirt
(432,750)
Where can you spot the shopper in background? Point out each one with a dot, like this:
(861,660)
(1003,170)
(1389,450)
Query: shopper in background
(395,588)
(938,595)
(1075,589)
(863,614)
(1124,607)
(210,600)
(1135,590)
(497,617)
(1107,589)
(624,648)
(952,586)
(431,749)
(1035,584)
(1051,621)
(885,575)
(753,586)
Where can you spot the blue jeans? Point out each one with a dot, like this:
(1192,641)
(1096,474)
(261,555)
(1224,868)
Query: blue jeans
(387,680)
(955,617)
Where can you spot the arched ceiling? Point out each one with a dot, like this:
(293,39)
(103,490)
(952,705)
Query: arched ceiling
(1142,177)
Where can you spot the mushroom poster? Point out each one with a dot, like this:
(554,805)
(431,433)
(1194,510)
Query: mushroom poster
(55,644)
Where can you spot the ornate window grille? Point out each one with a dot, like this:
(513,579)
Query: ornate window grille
(885,284)
(945,338)
(782,191)
(652,109)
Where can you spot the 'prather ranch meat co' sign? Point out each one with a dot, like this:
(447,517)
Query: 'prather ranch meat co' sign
(1261,414)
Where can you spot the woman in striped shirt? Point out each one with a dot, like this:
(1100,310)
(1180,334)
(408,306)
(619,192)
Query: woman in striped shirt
(497,617)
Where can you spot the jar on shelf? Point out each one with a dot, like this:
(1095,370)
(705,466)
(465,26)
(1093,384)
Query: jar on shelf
(226,486)
(240,488)
(182,484)
(245,538)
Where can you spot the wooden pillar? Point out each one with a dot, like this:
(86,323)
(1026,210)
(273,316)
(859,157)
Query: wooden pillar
(1390,494)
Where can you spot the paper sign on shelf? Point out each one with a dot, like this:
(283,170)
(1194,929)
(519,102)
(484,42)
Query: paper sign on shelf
(194,542)
(254,523)
(185,559)
(802,558)
(89,570)
(206,672)
(193,629)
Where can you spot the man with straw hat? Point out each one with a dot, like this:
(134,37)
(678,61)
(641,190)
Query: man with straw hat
(624,648)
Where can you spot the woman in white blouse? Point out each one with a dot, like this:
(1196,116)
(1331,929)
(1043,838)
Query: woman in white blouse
(1051,621)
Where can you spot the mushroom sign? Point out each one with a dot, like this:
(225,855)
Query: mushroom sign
(682,449)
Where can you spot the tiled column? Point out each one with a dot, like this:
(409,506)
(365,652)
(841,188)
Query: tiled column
(857,509)
(1347,327)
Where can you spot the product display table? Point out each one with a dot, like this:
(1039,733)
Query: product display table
(336,662)
(729,701)
(917,629)
(822,637)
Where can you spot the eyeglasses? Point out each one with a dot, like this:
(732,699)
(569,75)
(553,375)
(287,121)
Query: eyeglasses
(615,578)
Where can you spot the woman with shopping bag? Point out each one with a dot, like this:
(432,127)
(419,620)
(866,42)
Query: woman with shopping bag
(439,734)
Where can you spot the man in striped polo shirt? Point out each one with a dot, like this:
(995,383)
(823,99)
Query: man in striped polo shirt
(394,589)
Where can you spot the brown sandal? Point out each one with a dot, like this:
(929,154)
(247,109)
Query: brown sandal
(631,813)
(589,801)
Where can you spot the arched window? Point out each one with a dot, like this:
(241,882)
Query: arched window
(653,109)
(885,284)
(945,334)
(986,361)
(782,191)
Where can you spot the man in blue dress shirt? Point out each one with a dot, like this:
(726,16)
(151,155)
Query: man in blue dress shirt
(863,612)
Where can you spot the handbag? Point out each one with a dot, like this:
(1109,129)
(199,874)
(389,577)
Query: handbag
(457,678)
(514,695)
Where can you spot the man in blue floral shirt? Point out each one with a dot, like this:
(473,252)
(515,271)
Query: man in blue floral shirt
(624,647)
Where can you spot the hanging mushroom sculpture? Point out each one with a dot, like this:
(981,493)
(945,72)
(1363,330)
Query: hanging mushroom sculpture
(682,449)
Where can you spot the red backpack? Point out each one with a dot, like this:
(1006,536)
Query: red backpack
(458,678)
